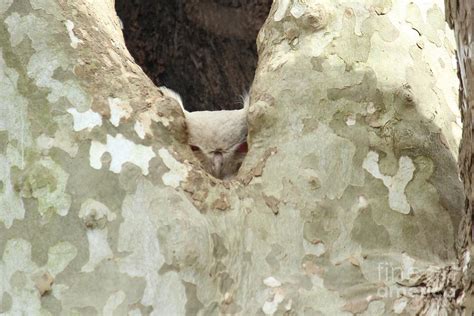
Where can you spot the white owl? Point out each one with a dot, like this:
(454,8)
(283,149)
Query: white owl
(217,138)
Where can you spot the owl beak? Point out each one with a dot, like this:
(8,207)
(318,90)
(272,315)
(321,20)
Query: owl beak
(217,162)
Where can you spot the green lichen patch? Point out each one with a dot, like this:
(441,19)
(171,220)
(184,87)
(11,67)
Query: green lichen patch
(46,182)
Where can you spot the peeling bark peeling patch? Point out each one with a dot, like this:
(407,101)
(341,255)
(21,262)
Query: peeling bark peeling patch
(371,109)
(314,248)
(289,304)
(351,120)
(361,304)
(280,57)
(178,171)
(426,5)
(408,265)
(74,39)
(376,307)
(63,137)
(139,129)
(457,132)
(427,19)
(16,259)
(58,290)
(44,283)
(96,215)
(121,150)
(222,203)
(335,170)
(363,203)
(51,7)
(281,11)
(228,299)
(18,26)
(46,59)
(399,305)
(361,14)
(118,110)
(135,312)
(138,236)
(297,9)
(93,212)
(5,5)
(144,123)
(43,77)
(296,124)
(272,202)
(11,204)
(13,106)
(16,264)
(88,119)
(113,302)
(172,300)
(99,248)
(271,282)
(59,257)
(396,184)
(270,307)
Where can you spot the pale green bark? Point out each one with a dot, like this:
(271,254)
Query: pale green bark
(351,173)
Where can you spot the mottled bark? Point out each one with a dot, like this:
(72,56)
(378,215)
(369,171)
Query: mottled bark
(349,201)
(460,16)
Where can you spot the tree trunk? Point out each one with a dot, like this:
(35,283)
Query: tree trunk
(460,15)
(348,202)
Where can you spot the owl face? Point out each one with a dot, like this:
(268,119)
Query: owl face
(221,163)
(219,140)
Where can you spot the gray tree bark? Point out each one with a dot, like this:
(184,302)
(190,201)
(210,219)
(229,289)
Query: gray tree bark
(349,201)
(460,15)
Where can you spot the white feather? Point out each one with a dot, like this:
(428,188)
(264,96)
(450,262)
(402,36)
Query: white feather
(172,94)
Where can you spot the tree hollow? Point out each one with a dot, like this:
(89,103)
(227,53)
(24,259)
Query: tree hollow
(203,49)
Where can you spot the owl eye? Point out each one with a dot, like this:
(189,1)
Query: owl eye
(194,148)
(243,148)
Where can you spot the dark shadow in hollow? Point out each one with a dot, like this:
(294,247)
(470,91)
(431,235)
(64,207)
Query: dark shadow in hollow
(203,49)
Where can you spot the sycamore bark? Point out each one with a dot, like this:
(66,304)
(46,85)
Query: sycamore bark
(460,15)
(349,200)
